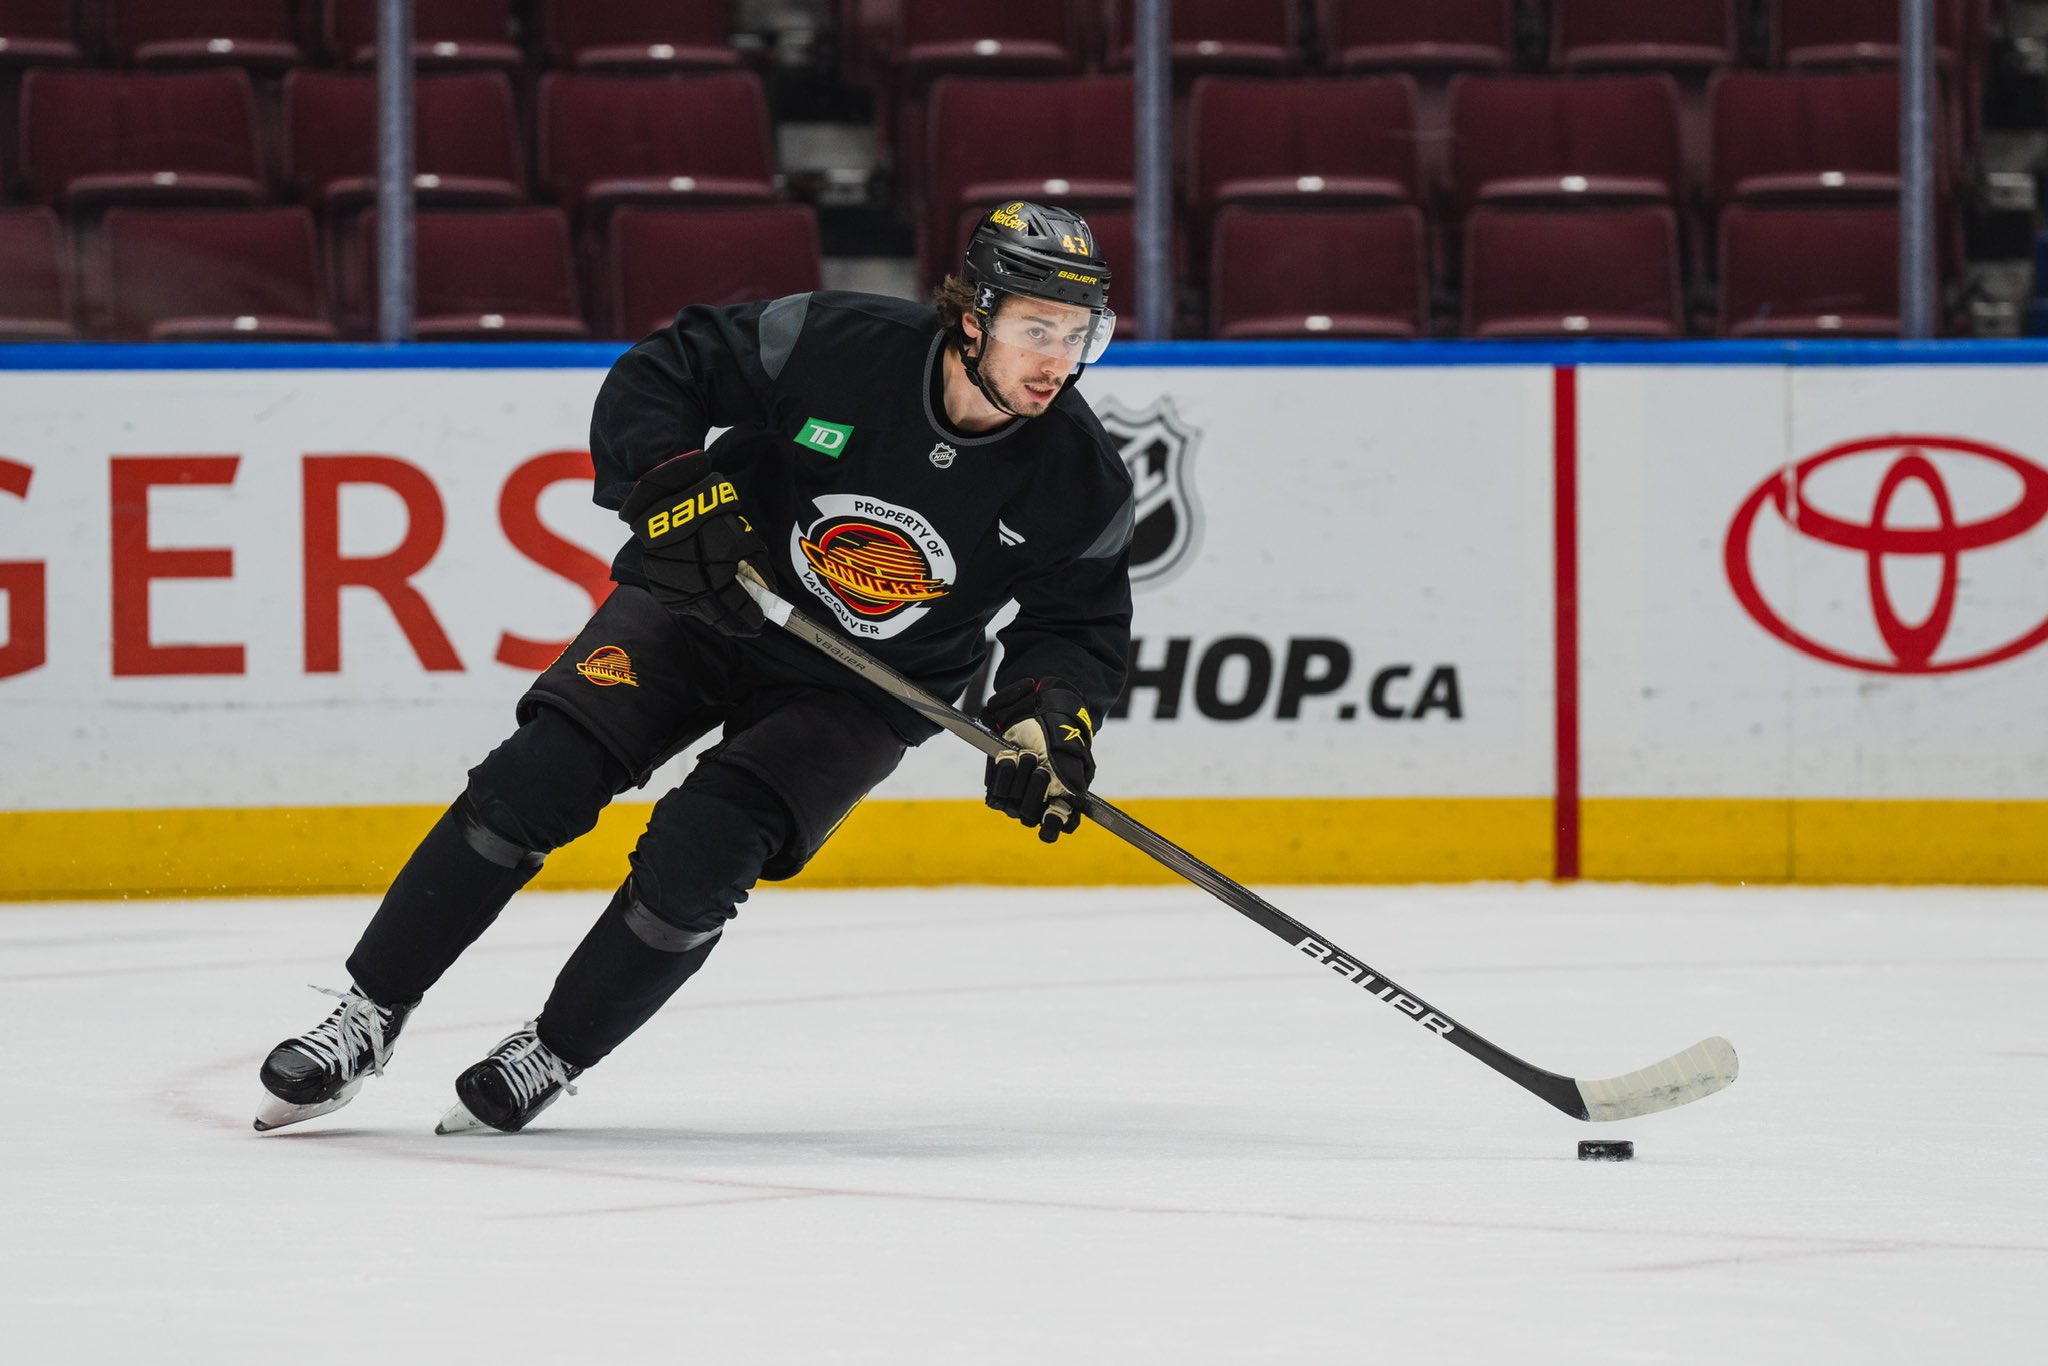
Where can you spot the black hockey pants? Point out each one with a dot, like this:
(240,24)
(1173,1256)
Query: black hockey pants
(794,760)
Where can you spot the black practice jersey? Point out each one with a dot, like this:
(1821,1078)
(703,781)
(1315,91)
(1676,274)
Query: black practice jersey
(880,519)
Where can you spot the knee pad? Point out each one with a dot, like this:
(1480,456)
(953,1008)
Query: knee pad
(545,785)
(704,849)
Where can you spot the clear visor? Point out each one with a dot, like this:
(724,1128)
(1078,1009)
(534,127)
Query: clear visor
(1062,331)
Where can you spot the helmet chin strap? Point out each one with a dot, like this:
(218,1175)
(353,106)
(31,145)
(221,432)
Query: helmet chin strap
(972,364)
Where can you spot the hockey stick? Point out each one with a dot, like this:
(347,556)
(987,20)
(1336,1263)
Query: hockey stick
(1701,1070)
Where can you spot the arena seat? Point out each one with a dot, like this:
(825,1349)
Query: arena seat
(1563,139)
(984,38)
(1442,35)
(953,39)
(1863,35)
(447,34)
(637,35)
(481,275)
(467,148)
(92,138)
(37,33)
(1318,273)
(1816,137)
(1213,37)
(661,260)
(1301,142)
(256,34)
(1628,35)
(1075,150)
(1809,272)
(35,296)
(1855,33)
(213,275)
(606,140)
(1603,272)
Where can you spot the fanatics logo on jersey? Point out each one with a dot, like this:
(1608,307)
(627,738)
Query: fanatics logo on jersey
(608,666)
(1006,535)
(879,567)
(943,456)
(1159,450)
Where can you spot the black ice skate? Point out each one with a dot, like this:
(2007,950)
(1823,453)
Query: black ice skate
(521,1077)
(323,1069)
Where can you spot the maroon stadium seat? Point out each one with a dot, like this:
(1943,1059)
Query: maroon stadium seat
(481,275)
(257,34)
(1075,150)
(637,35)
(213,275)
(1813,35)
(1249,37)
(1814,137)
(606,140)
(1440,35)
(91,138)
(935,39)
(664,259)
(37,33)
(1620,35)
(35,298)
(466,151)
(1810,272)
(983,38)
(447,34)
(1324,273)
(1302,142)
(1585,273)
(1836,33)
(1562,139)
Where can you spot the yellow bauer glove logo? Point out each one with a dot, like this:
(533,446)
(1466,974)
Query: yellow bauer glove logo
(687,511)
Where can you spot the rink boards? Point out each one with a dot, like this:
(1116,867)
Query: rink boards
(1438,612)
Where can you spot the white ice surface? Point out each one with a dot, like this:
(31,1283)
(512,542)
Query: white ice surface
(1053,1127)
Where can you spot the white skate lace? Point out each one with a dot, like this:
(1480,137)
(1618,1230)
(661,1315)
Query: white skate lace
(530,1065)
(340,1039)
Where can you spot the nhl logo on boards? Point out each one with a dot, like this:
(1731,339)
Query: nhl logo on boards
(1159,449)
(943,456)
(608,666)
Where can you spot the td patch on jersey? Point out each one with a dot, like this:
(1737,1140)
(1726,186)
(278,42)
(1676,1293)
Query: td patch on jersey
(879,567)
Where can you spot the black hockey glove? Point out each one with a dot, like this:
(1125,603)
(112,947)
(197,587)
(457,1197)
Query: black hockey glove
(693,539)
(1049,725)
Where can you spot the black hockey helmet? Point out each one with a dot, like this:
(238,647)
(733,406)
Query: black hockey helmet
(1040,252)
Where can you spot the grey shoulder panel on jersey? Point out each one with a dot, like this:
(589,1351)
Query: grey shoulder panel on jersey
(781,322)
(1116,535)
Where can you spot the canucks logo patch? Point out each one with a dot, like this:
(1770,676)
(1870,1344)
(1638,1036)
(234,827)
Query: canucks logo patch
(879,567)
(608,666)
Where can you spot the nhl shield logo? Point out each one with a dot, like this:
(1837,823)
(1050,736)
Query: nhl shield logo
(1159,450)
(943,456)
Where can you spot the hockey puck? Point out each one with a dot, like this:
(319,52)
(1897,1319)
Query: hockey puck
(1606,1150)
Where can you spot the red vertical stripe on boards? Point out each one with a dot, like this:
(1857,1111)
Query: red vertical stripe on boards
(1565,454)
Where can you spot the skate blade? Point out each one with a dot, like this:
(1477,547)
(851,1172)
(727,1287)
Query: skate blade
(276,1113)
(459,1120)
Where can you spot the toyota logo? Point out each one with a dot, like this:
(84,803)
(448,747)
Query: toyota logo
(1930,501)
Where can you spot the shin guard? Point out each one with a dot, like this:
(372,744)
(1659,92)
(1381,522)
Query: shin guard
(625,969)
(448,893)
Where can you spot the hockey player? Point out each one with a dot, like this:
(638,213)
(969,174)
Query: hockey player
(899,471)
